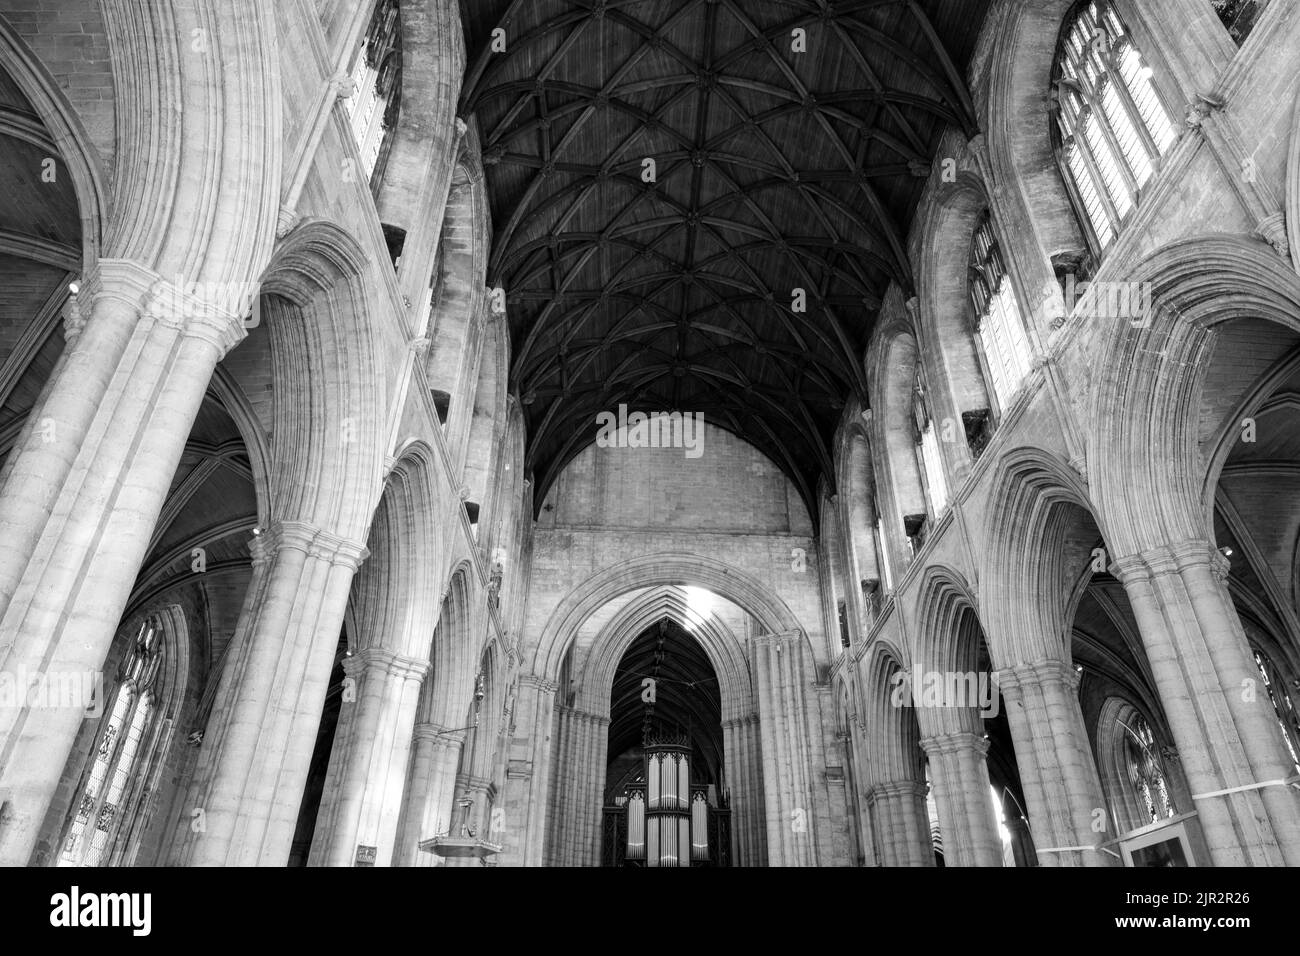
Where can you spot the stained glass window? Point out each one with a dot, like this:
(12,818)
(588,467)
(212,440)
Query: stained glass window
(109,784)
(1279,694)
(1146,770)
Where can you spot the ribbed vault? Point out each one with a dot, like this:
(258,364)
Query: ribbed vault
(782,163)
(687,696)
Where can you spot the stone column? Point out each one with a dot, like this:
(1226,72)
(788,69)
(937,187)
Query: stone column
(744,758)
(779,686)
(960,777)
(254,762)
(528,773)
(435,755)
(561,819)
(80,495)
(589,787)
(1221,718)
(1062,789)
(367,773)
(898,808)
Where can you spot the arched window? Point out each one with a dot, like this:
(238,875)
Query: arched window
(1284,707)
(376,97)
(928,453)
(1112,125)
(997,317)
(108,786)
(1145,769)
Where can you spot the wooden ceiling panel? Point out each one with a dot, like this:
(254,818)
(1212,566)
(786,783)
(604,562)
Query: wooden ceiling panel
(776,170)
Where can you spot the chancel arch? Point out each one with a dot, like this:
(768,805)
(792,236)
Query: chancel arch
(717,619)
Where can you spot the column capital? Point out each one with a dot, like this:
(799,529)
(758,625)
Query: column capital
(316,542)
(213,311)
(438,733)
(382,660)
(1172,558)
(776,638)
(897,788)
(538,683)
(1015,678)
(954,743)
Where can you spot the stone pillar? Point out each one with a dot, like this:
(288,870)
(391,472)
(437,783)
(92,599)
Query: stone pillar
(80,495)
(779,686)
(560,823)
(898,808)
(578,787)
(528,774)
(1221,718)
(743,757)
(590,787)
(435,755)
(254,761)
(367,770)
(1059,776)
(960,777)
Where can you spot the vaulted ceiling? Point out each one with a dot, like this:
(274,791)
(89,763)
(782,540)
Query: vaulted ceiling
(687,696)
(786,168)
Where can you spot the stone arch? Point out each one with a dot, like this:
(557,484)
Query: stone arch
(946,233)
(1222,442)
(488,421)
(454,653)
(893,737)
(857,482)
(392,606)
(71,139)
(723,649)
(168,140)
(894,371)
(460,296)
(235,401)
(836,577)
(741,762)
(1036,503)
(507,484)
(1145,454)
(1018,123)
(651,570)
(433,64)
(327,409)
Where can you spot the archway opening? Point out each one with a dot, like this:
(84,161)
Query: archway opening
(665,699)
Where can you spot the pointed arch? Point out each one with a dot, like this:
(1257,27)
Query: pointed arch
(651,570)
(327,405)
(1036,503)
(60,119)
(392,606)
(1145,454)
